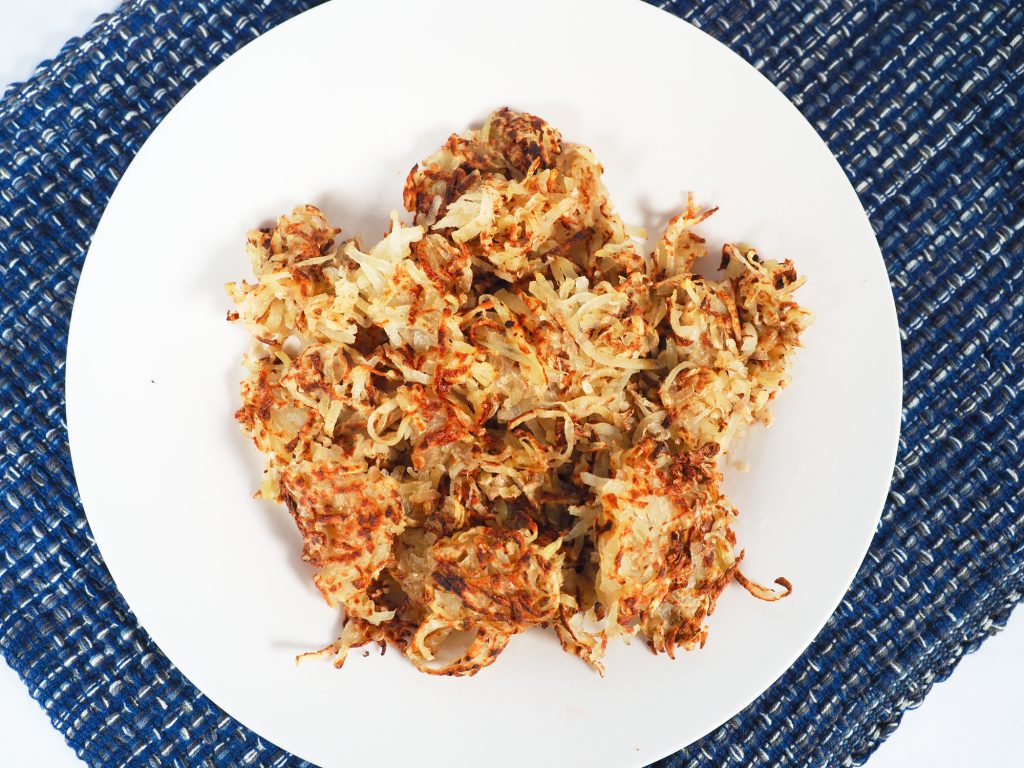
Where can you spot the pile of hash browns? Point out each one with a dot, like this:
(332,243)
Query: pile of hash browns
(508,413)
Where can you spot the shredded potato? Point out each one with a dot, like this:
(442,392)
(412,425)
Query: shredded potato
(505,414)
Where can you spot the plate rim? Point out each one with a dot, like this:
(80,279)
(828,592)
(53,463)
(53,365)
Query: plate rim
(895,419)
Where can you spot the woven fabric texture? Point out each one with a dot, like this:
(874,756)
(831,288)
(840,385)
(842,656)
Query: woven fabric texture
(920,101)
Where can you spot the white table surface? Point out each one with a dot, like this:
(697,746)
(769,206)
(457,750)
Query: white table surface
(976,718)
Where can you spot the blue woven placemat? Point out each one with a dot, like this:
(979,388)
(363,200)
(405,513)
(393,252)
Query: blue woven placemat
(921,102)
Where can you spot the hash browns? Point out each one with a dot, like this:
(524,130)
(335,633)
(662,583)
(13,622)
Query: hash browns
(506,414)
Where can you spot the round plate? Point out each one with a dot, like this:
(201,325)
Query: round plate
(333,108)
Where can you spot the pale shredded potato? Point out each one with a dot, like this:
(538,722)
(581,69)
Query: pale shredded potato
(506,414)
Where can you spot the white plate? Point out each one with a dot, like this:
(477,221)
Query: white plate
(333,108)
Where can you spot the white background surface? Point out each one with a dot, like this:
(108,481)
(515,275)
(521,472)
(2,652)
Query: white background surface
(976,718)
